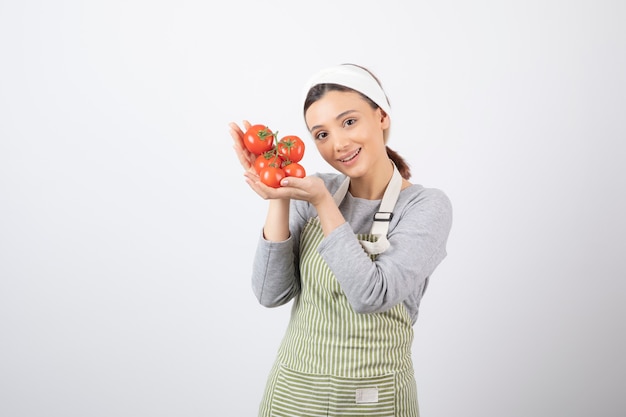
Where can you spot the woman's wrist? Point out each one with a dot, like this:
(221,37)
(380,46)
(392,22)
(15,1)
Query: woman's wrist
(276,226)
(329,214)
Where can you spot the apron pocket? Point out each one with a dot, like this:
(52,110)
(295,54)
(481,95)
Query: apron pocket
(301,394)
(370,396)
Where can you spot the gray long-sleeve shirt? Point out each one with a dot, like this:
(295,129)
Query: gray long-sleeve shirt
(418,234)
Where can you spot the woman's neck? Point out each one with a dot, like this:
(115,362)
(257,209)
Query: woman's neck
(372,186)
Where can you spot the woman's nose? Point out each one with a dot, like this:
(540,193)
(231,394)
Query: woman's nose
(341,141)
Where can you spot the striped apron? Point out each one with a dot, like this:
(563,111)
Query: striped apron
(334,361)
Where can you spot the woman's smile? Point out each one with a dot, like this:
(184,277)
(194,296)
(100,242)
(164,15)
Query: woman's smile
(350,157)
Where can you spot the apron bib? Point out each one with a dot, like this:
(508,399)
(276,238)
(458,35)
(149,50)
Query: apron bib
(332,360)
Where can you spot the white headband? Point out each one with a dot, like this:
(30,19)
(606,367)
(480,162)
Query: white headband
(353,77)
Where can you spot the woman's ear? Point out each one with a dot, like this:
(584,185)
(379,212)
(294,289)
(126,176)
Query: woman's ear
(384,119)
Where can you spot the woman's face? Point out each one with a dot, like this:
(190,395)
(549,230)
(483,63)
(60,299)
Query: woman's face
(348,133)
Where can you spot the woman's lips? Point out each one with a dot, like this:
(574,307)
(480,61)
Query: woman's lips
(351,156)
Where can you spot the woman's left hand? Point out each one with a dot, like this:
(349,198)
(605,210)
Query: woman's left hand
(311,188)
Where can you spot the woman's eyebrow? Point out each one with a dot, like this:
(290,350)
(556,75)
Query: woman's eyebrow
(339,116)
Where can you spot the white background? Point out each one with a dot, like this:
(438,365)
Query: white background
(127,231)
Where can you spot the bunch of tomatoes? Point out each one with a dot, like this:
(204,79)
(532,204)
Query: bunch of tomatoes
(276,158)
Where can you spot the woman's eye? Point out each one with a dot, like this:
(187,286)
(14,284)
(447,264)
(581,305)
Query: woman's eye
(321,135)
(350,122)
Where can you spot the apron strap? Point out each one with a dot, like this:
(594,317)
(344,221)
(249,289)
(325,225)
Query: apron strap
(382,217)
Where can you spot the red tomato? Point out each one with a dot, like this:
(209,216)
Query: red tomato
(291,148)
(272,176)
(266,159)
(258,139)
(294,169)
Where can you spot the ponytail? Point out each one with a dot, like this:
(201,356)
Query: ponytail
(401,164)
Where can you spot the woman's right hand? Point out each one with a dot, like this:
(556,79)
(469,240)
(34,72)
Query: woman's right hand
(246,158)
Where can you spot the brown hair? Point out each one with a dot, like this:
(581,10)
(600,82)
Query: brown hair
(318,91)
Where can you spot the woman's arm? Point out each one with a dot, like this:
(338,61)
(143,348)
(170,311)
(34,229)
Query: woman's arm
(418,244)
(274,273)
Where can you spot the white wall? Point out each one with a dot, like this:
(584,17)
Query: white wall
(127,231)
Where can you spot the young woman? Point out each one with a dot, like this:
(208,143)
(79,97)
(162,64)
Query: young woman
(354,250)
